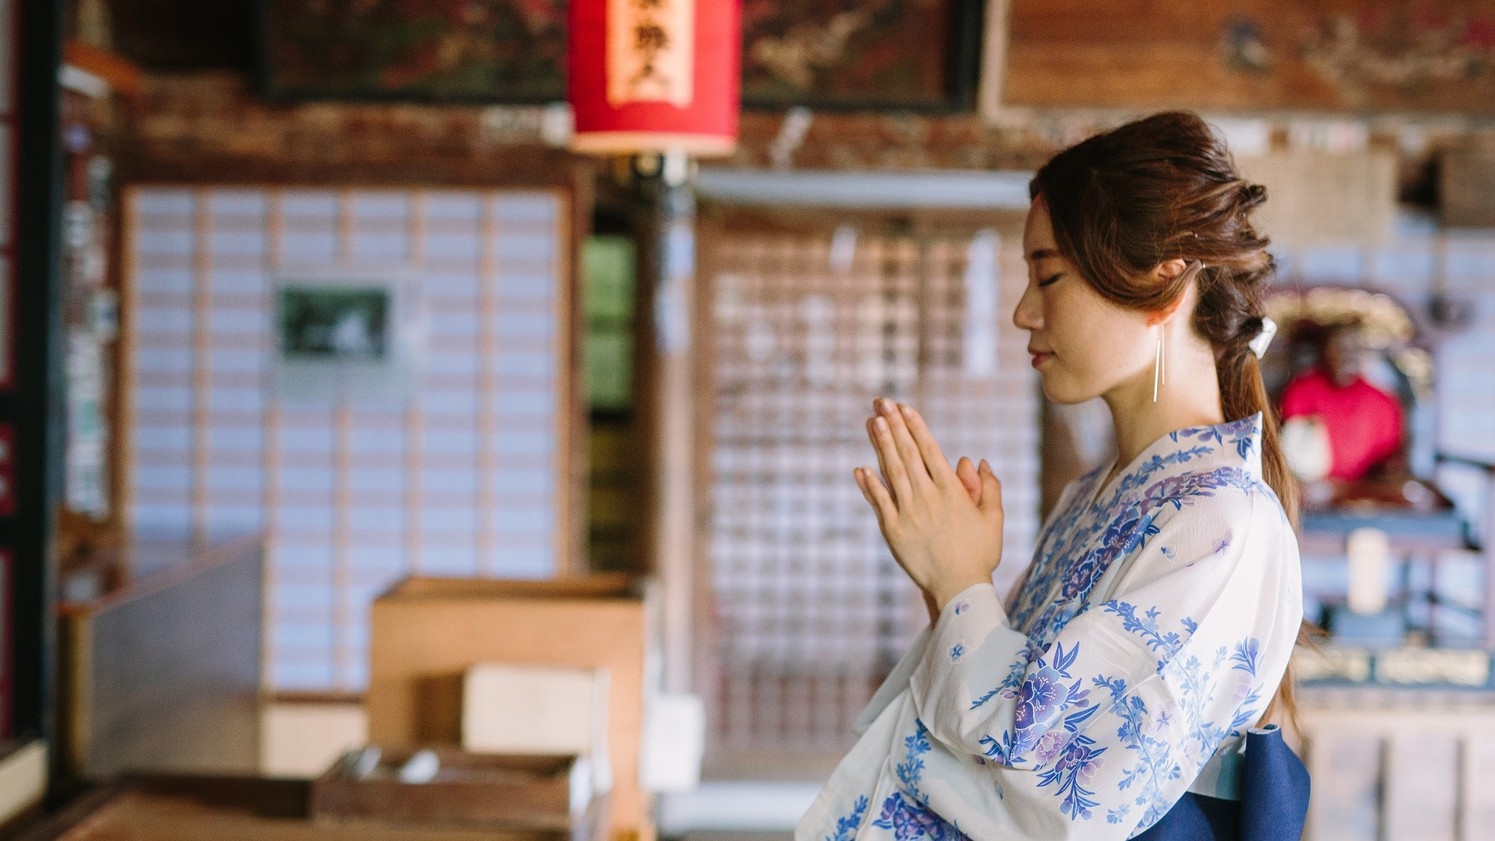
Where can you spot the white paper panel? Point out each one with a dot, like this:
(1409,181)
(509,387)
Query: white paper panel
(351,495)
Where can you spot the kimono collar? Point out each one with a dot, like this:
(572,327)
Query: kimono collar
(1235,443)
(1232,444)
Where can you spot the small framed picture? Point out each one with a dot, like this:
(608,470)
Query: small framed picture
(345,334)
(318,322)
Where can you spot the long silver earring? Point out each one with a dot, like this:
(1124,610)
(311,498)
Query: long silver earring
(1159,367)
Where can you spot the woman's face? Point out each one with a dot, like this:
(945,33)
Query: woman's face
(1083,345)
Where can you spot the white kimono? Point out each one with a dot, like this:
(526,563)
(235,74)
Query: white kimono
(1153,630)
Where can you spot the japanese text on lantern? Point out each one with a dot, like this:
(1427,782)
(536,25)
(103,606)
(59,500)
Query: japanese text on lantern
(650,51)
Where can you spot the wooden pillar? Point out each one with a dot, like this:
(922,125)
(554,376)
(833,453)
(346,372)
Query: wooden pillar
(666,405)
(31,371)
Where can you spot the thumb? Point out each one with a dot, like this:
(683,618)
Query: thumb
(991,490)
(966,472)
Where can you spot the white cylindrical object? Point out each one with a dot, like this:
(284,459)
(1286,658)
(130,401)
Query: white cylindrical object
(674,742)
(1369,554)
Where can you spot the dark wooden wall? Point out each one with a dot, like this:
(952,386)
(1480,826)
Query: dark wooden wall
(185,34)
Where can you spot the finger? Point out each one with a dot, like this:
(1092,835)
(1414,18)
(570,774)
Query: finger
(875,493)
(895,470)
(882,466)
(929,449)
(904,448)
(965,471)
(991,490)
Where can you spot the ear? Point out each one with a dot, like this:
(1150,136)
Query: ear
(1169,270)
(1166,273)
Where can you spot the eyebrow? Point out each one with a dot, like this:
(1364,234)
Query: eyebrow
(1043,253)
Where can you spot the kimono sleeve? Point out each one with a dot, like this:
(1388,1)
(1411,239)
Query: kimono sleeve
(1119,713)
(895,683)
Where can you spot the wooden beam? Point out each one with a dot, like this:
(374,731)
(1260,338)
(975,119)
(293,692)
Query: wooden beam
(119,73)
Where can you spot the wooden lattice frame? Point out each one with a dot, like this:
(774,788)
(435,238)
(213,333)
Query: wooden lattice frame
(827,577)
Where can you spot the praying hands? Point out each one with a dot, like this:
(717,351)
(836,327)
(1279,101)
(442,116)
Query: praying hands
(943,526)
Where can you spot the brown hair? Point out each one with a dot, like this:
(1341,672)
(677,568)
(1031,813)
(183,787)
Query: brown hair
(1161,188)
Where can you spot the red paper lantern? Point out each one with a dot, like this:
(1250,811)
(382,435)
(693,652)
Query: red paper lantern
(655,75)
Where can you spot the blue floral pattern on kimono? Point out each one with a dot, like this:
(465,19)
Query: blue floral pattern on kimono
(1155,623)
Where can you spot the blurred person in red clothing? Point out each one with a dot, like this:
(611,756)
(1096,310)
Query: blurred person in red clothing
(1362,423)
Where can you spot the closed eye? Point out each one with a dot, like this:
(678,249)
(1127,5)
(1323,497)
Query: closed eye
(1049,280)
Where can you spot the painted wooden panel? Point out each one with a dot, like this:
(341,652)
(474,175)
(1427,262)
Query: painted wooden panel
(1261,54)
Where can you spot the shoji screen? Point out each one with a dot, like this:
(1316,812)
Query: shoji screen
(801,330)
(465,476)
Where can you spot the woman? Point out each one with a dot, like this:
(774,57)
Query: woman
(1155,624)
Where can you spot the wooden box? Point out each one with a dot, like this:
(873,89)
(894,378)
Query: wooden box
(426,632)
(1466,186)
(473,790)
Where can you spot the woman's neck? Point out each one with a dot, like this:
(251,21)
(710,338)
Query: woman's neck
(1189,397)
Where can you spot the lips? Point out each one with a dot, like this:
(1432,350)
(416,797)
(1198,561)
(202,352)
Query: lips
(1039,356)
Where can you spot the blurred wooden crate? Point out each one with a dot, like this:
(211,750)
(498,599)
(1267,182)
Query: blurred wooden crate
(426,632)
(302,733)
(1466,187)
(470,790)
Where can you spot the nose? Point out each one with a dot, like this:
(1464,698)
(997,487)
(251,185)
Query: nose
(1028,315)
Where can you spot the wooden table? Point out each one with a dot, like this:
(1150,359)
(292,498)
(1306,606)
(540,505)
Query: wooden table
(200,808)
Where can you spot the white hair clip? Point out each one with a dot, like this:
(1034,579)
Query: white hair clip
(1264,338)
